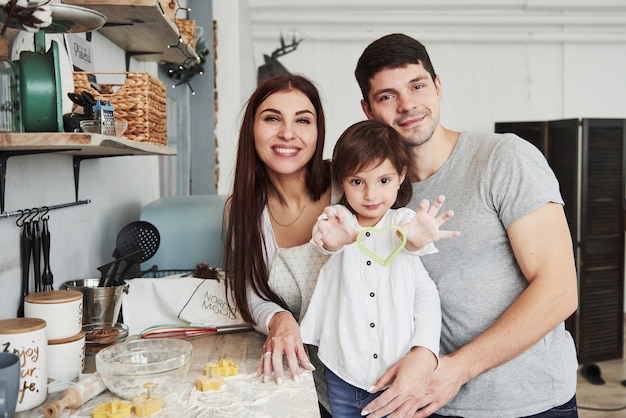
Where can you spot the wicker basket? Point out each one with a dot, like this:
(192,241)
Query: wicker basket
(187,30)
(140,101)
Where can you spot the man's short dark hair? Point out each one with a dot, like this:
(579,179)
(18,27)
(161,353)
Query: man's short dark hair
(391,51)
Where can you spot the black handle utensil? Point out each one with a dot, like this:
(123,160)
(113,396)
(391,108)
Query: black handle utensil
(71,121)
(118,259)
(36,249)
(104,269)
(84,100)
(46,276)
(25,252)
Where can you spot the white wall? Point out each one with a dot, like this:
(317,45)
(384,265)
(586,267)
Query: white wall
(506,60)
(235,76)
(498,61)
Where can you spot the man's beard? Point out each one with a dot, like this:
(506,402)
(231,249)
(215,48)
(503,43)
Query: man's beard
(418,138)
(418,135)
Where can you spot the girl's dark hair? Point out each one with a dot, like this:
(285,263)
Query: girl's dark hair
(372,142)
(392,51)
(244,258)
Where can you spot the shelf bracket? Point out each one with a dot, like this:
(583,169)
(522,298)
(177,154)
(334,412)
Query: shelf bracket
(76,162)
(4,157)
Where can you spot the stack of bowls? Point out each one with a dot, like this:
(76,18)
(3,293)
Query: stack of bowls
(63,312)
(99,336)
(102,305)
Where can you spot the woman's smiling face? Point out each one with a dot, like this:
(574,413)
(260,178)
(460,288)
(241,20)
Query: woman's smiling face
(285,131)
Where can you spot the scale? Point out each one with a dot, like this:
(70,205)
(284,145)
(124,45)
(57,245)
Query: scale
(38,71)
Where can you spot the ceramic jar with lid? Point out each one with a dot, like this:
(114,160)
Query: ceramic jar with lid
(27,338)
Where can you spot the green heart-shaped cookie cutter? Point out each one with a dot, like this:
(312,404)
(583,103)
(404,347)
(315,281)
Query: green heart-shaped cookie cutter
(380,260)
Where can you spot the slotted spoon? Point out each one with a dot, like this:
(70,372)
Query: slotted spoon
(140,238)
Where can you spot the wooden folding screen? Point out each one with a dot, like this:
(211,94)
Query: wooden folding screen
(587,156)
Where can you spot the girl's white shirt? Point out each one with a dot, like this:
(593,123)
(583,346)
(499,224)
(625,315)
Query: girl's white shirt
(364,316)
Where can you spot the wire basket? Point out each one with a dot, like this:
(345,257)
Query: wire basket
(158,274)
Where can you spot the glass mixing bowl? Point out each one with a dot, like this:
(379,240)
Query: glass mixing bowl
(126,367)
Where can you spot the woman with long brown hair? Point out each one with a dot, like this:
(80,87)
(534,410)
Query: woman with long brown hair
(282,184)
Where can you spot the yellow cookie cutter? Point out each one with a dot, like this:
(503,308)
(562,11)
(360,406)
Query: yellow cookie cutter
(380,260)
(114,409)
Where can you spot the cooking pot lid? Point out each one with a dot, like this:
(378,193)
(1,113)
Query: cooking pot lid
(67,19)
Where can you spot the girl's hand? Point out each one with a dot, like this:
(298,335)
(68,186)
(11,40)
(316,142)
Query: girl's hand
(424,227)
(335,231)
(283,339)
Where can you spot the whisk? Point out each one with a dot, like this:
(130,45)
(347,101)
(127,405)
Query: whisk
(189,332)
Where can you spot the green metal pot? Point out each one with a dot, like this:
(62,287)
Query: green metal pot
(40,87)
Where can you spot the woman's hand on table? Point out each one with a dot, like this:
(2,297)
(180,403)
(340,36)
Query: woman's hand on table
(283,339)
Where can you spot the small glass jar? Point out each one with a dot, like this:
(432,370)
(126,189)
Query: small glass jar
(9,103)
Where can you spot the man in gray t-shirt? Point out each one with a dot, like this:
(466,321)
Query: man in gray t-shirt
(506,284)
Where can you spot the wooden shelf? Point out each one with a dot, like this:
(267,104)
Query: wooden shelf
(78,144)
(81,145)
(141,29)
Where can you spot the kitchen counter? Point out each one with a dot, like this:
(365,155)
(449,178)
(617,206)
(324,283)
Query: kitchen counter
(242,395)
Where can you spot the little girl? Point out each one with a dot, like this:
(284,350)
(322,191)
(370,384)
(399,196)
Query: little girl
(373,302)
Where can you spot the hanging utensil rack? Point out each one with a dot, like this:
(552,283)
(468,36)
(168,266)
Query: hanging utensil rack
(4,156)
(44,208)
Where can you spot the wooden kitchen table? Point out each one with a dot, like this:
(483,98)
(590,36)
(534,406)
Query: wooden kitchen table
(242,395)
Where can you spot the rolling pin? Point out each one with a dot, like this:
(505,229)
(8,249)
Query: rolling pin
(76,395)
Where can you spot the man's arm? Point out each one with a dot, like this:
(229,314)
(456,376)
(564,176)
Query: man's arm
(543,248)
